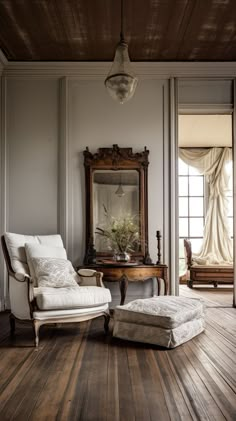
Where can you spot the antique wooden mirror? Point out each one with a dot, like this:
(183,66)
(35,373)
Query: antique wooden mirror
(116,190)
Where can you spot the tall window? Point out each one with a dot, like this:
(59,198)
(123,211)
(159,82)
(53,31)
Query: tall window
(191,209)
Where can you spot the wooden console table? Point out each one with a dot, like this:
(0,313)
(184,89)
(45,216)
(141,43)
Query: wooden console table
(127,272)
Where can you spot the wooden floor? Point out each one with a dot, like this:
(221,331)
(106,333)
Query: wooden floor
(220,296)
(78,373)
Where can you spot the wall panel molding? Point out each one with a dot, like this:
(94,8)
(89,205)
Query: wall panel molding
(234,186)
(65,179)
(4,193)
(173,237)
(63,162)
(166,181)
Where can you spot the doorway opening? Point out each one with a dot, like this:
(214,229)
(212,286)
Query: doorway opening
(205,197)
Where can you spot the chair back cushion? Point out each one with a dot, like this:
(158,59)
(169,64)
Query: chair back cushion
(53,272)
(34,250)
(188,253)
(16,248)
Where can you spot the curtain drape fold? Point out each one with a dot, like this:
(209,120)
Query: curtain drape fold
(217,247)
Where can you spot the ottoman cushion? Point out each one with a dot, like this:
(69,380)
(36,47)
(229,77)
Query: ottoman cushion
(165,311)
(166,321)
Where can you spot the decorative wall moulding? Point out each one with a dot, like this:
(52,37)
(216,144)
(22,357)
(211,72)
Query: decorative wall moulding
(98,70)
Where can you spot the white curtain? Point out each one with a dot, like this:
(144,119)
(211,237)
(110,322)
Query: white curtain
(217,247)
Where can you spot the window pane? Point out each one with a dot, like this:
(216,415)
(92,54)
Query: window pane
(193,171)
(183,168)
(183,206)
(196,186)
(230,206)
(196,244)
(183,227)
(181,249)
(229,191)
(196,227)
(196,206)
(229,168)
(182,267)
(183,186)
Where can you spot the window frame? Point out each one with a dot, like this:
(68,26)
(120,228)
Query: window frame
(188,196)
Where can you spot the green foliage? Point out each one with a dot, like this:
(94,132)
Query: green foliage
(122,233)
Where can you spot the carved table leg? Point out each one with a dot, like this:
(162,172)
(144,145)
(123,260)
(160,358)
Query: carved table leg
(166,283)
(123,282)
(158,285)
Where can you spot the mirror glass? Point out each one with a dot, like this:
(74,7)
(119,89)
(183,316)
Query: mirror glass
(115,199)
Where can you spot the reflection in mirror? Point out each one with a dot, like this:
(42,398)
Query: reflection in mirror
(115,199)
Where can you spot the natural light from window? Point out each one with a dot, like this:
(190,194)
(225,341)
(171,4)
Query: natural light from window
(193,198)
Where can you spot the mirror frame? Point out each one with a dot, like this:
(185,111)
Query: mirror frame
(115,159)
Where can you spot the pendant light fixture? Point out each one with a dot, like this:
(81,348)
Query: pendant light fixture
(121,81)
(120,191)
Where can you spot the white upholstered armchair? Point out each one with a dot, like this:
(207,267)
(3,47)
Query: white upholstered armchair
(45,289)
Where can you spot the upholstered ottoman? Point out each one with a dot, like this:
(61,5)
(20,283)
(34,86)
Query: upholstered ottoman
(164,320)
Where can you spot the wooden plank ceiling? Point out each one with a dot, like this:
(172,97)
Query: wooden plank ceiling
(88,30)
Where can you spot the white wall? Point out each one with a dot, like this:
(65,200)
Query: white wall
(29,160)
(199,94)
(34,139)
(96,120)
(36,197)
(198,130)
(32,156)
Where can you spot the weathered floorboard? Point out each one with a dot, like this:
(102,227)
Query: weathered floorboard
(79,373)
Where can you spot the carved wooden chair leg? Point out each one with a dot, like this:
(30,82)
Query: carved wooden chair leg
(12,323)
(36,332)
(106,323)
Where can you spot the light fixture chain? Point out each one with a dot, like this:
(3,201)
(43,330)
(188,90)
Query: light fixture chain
(122,21)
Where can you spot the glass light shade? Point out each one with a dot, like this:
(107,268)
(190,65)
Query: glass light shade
(120,192)
(121,82)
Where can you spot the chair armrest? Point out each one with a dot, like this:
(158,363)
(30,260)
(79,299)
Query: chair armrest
(21,296)
(89,277)
(22,277)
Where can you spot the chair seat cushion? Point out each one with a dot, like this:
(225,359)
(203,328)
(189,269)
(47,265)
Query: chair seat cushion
(68,313)
(164,311)
(212,267)
(70,297)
